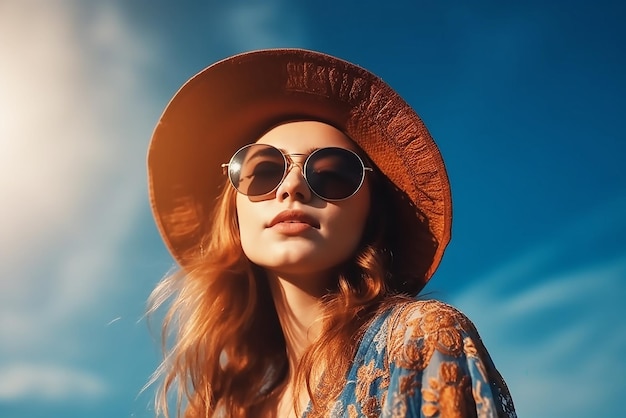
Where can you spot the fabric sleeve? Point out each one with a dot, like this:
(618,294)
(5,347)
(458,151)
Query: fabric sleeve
(439,368)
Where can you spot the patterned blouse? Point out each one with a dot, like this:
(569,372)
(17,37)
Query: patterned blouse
(423,359)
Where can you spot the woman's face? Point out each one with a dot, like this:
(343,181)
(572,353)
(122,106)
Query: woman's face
(291,231)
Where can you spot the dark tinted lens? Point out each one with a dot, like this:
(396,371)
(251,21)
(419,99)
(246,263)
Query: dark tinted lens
(334,173)
(257,169)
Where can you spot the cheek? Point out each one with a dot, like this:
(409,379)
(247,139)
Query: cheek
(245,219)
(350,225)
(252,239)
(362,205)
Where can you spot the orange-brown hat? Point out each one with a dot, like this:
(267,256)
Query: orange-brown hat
(231,103)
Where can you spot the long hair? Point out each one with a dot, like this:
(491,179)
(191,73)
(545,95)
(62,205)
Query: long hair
(229,355)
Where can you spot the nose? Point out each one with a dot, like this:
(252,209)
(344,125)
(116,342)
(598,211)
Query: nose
(294,185)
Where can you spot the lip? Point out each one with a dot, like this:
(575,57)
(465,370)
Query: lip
(295,217)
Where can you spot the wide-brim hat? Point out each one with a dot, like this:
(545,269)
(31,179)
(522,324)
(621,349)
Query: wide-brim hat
(232,102)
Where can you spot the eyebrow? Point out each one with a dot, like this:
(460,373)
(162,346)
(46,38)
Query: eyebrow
(260,153)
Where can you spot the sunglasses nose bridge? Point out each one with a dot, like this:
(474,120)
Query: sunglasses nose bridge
(296,184)
(291,163)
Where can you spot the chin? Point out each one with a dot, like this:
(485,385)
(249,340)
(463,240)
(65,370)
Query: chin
(299,267)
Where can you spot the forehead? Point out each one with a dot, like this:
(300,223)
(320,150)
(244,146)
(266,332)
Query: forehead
(302,136)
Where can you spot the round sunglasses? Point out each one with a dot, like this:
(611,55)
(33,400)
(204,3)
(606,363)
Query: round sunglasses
(331,173)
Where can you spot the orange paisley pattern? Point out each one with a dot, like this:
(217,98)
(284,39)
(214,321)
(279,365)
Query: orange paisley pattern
(423,359)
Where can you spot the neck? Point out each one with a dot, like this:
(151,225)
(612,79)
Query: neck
(298,306)
(299,309)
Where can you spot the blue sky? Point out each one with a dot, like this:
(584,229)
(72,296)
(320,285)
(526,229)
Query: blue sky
(526,102)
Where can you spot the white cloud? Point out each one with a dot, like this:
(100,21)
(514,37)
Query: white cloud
(48,382)
(559,337)
(269,24)
(73,132)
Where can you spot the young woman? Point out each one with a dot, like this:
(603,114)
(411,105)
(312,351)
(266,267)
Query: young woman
(307,206)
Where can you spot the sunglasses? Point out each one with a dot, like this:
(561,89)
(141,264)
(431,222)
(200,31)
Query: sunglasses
(331,173)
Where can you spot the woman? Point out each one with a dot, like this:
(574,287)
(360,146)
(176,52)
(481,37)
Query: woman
(307,205)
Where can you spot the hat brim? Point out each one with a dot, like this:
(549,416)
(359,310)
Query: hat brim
(232,102)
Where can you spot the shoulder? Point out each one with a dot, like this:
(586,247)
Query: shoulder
(421,317)
(426,326)
(439,366)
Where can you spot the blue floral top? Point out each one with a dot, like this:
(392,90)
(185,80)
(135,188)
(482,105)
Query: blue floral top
(423,359)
